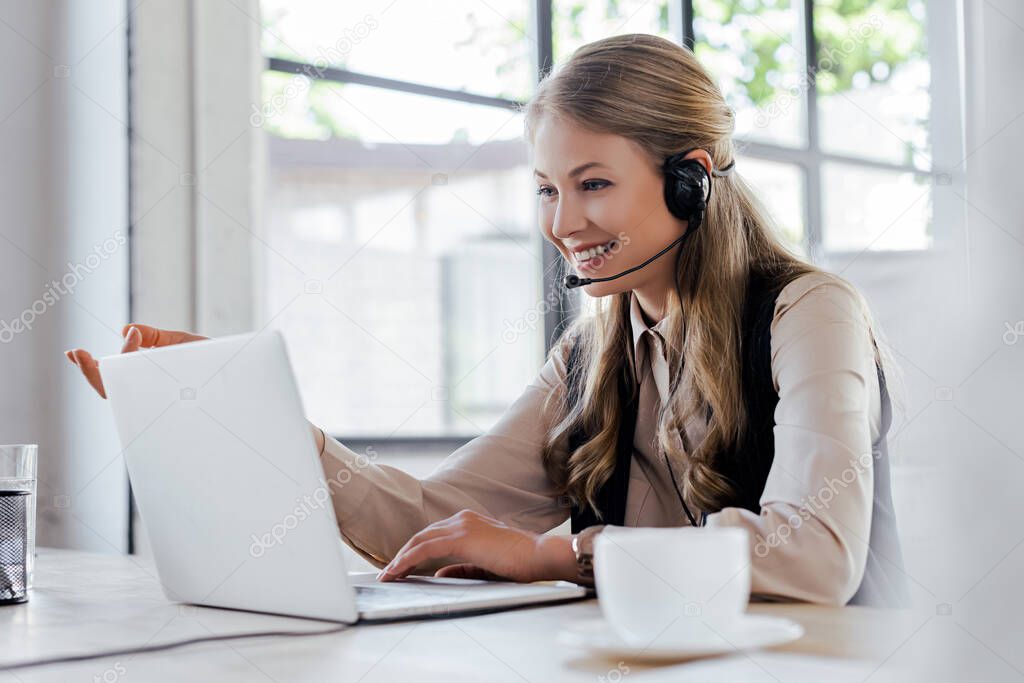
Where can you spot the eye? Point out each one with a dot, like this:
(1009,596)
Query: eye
(587,185)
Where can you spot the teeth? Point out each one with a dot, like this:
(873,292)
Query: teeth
(593,251)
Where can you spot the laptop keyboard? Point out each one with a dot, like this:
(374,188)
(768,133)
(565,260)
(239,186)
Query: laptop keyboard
(415,595)
(384,596)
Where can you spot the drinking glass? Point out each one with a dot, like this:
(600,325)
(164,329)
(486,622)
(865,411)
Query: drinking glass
(18,473)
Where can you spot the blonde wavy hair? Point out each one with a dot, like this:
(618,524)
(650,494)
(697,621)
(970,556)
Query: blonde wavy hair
(655,93)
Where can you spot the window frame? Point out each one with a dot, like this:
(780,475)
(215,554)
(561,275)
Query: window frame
(945,121)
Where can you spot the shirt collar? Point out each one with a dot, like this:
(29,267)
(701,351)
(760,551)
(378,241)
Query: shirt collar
(638,325)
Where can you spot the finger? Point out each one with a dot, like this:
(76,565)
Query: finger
(436,529)
(427,534)
(466,570)
(154,336)
(403,565)
(132,340)
(91,369)
(71,357)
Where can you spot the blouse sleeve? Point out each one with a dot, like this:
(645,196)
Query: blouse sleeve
(499,473)
(809,541)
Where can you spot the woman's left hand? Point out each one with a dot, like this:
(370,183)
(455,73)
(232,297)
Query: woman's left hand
(480,547)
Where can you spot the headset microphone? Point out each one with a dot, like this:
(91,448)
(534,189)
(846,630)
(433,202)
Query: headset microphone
(573,281)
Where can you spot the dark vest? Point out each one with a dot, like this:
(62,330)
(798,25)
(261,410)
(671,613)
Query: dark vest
(748,464)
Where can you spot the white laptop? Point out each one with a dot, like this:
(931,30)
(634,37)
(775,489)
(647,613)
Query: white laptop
(229,486)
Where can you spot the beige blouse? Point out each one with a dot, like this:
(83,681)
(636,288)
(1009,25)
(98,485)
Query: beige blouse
(808,543)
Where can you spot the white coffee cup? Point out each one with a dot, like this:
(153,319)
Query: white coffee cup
(657,582)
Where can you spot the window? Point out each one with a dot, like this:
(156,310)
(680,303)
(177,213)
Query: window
(832,100)
(578,22)
(403,262)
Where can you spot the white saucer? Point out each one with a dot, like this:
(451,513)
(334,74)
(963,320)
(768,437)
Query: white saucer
(689,638)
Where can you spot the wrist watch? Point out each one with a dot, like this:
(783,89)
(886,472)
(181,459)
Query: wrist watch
(583,548)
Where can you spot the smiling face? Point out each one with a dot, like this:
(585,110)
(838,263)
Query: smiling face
(601,191)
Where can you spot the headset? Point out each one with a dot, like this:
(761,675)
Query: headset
(687,194)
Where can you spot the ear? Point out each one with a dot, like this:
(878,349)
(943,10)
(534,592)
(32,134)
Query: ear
(703,157)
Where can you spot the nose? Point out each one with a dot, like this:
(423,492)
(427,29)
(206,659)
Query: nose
(569,218)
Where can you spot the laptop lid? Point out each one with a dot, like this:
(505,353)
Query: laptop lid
(226,477)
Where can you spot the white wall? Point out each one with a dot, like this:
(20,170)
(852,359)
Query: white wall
(959,447)
(196,167)
(63,189)
(981,535)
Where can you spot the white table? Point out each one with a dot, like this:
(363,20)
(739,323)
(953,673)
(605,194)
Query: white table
(84,602)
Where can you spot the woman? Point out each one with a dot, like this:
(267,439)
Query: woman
(720,382)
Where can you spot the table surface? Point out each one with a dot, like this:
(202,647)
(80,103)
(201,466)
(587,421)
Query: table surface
(84,602)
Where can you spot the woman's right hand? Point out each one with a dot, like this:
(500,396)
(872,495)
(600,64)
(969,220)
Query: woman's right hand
(135,337)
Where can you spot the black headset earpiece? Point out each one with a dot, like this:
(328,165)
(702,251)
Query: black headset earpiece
(688,187)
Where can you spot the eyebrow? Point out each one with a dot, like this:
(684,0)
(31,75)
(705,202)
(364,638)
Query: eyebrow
(576,171)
